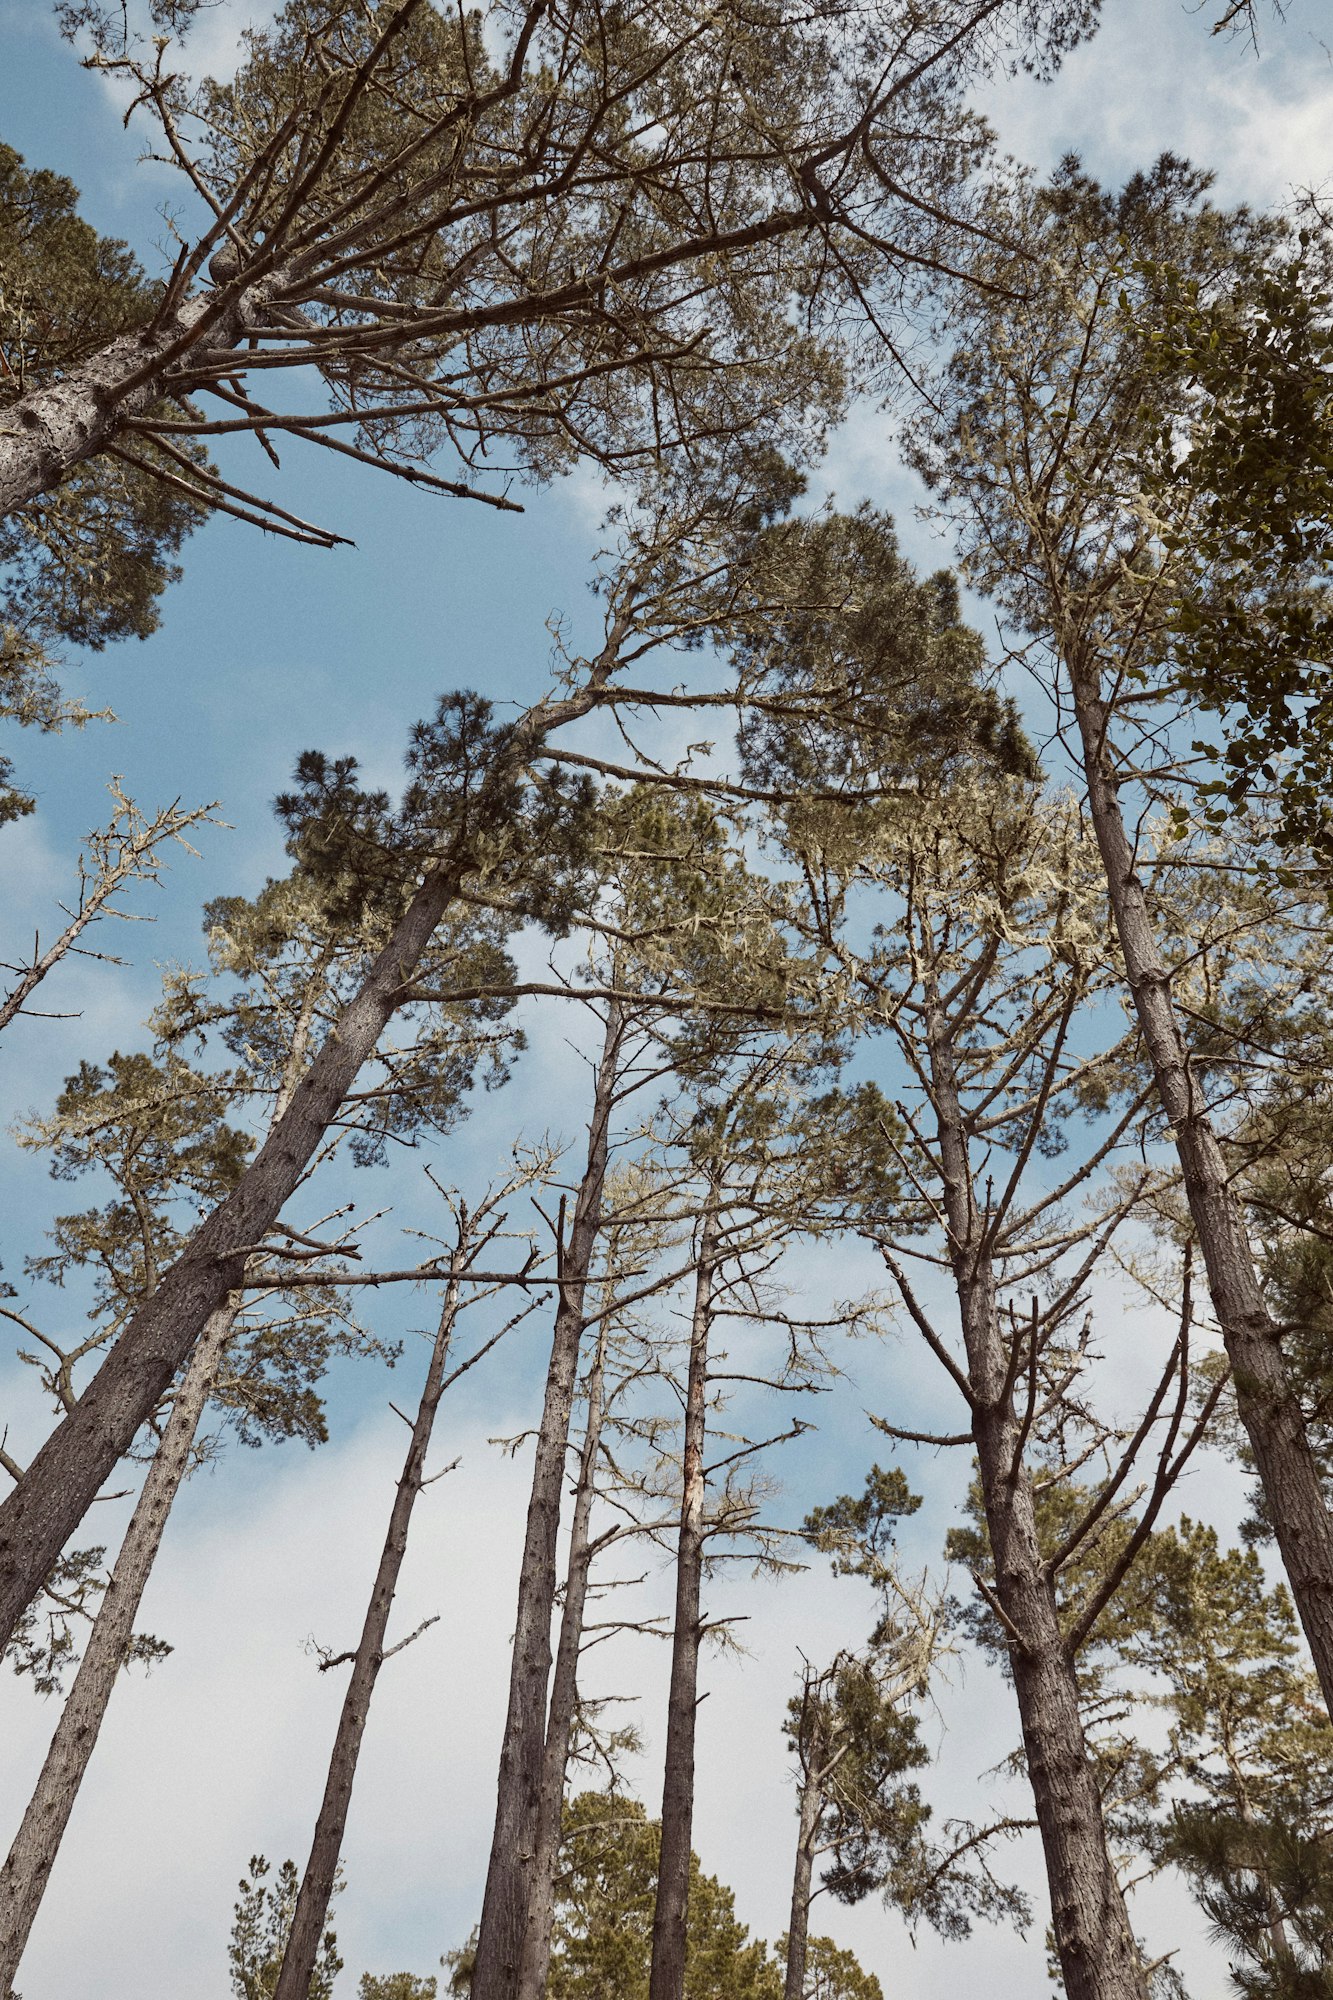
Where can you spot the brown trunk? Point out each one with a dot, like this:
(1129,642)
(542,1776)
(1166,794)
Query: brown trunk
(1268,1405)
(312,1903)
(63,1480)
(535,1963)
(504,1913)
(28,1867)
(1098,1957)
(798,1928)
(666,1980)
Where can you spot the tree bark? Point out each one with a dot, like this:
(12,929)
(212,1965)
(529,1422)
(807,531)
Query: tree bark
(798,1927)
(46,433)
(666,1979)
(1268,1405)
(535,1963)
(28,1866)
(1096,1949)
(316,1892)
(504,1913)
(63,1480)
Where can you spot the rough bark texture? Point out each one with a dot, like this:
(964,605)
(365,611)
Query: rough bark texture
(666,1979)
(1098,1957)
(46,433)
(1268,1405)
(504,1912)
(312,1903)
(27,1869)
(60,1485)
(536,1960)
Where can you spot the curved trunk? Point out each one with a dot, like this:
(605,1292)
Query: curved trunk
(316,1892)
(1268,1405)
(504,1914)
(666,1979)
(1096,1949)
(27,1869)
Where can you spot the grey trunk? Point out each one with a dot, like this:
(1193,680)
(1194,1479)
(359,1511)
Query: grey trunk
(535,1963)
(27,1869)
(63,1480)
(312,1903)
(46,433)
(1265,1398)
(798,1927)
(1093,1940)
(504,1912)
(666,1980)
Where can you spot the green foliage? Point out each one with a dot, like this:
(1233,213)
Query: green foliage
(1247,503)
(1240,1795)
(1267,1889)
(1253,1832)
(833,1974)
(263,1922)
(606,1883)
(861,675)
(157,1130)
(44,1645)
(87,562)
(526,834)
(856,1736)
(1045,435)
(872,1823)
(396,1986)
(858,1531)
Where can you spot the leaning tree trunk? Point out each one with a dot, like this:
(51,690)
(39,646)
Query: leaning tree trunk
(1265,1398)
(27,1869)
(46,433)
(1095,1945)
(666,1979)
(61,1483)
(316,1892)
(535,1963)
(504,1912)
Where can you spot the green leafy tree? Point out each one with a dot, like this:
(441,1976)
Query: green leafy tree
(1246,1808)
(263,1917)
(1243,482)
(606,1888)
(857,1740)
(834,1974)
(1037,436)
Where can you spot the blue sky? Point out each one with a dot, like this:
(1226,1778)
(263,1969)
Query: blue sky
(265,649)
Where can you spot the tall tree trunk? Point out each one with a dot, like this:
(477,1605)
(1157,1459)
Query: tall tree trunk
(535,1963)
(798,1927)
(666,1980)
(316,1892)
(1096,1949)
(27,1869)
(504,1912)
(49,1501)
(1267,1402)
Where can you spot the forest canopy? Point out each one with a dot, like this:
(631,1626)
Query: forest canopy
(737,1056)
